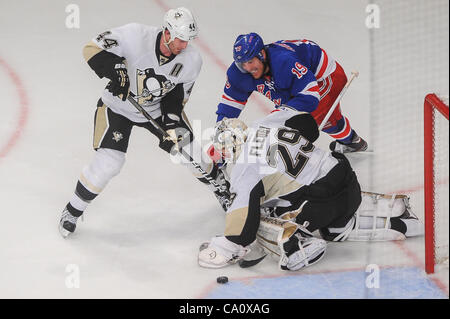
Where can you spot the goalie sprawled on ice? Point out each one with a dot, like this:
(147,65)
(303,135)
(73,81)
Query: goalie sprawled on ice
(284,188)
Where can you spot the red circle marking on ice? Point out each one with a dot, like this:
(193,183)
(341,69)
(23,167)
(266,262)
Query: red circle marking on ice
(23,112)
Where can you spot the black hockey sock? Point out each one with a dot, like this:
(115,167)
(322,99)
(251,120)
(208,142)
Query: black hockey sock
(398,225)
(83,193)
(73,211)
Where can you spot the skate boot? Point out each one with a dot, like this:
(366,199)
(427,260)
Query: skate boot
(357,145)
(68,223)
(414,227)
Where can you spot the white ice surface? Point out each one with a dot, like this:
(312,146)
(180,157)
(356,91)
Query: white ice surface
(141,235)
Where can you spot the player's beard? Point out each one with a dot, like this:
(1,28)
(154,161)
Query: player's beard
(265,70)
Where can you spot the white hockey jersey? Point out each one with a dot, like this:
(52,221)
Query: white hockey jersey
(151,74)
(279,157)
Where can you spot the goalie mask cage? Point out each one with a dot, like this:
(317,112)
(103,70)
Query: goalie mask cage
(409,55)
(436,180)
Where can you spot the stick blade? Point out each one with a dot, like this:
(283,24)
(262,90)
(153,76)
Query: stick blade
(243,263)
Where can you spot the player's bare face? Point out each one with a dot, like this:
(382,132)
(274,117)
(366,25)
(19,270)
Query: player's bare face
(255,67)
(169,47)
(177,45)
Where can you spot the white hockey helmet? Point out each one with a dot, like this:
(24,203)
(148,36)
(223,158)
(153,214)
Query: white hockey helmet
(181,24)
(229,138)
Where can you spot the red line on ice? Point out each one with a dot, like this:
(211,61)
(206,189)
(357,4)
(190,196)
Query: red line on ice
(23,111)
(217,61)
(207,50)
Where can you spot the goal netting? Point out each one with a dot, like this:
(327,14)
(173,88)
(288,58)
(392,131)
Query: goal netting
(436,160)
(409,59)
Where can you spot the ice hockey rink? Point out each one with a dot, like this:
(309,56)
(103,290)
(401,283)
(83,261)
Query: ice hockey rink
(140,237)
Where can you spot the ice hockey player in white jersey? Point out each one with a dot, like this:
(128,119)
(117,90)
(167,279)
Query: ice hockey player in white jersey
(285,188)
(159,66)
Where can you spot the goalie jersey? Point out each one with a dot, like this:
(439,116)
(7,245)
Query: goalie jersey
(277,160)
(152,75)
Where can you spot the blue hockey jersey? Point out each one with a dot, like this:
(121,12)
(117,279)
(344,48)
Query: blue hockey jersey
(295,67)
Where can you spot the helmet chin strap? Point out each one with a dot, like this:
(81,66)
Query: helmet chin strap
(265,63)
(166,44)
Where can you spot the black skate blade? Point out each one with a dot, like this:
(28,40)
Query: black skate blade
(250,263)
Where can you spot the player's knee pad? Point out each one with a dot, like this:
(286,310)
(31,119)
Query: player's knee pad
(106,164)
(293,244)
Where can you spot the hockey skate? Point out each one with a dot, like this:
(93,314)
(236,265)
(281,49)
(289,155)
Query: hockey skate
(414,227)
(67,224)
(358,144)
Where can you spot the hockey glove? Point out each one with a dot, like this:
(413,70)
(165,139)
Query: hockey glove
(120,83)
(179,136)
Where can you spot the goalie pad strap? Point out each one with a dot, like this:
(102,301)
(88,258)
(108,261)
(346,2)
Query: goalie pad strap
(380,205)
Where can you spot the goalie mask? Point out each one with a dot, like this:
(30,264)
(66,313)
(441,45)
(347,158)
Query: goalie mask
(229,138)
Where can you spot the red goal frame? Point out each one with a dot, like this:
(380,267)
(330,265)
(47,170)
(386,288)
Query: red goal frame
(432,102)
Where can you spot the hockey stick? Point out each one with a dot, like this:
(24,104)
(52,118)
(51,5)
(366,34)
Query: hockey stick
(224,196)
(256,255)
(338,99)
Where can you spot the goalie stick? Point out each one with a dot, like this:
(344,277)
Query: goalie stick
(224,196)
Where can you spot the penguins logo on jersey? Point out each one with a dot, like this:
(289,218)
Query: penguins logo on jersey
(151,87)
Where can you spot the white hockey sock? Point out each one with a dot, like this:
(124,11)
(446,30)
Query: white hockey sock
(413,227)
(78,203)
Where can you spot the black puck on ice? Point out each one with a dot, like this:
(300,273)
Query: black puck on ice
(222,279)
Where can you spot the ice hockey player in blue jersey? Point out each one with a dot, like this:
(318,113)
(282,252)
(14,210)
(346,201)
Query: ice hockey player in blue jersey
(296,73)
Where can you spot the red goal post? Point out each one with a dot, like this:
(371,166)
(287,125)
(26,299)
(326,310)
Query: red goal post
(432,105)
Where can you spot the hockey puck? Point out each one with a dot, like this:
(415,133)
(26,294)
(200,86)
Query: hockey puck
(222,279)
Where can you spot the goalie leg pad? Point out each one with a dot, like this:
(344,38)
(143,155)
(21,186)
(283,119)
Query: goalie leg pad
(302,252)
(373,217)
(292,243)
(380,217)
(381,205)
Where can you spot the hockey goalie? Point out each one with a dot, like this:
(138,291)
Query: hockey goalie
(284,188)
